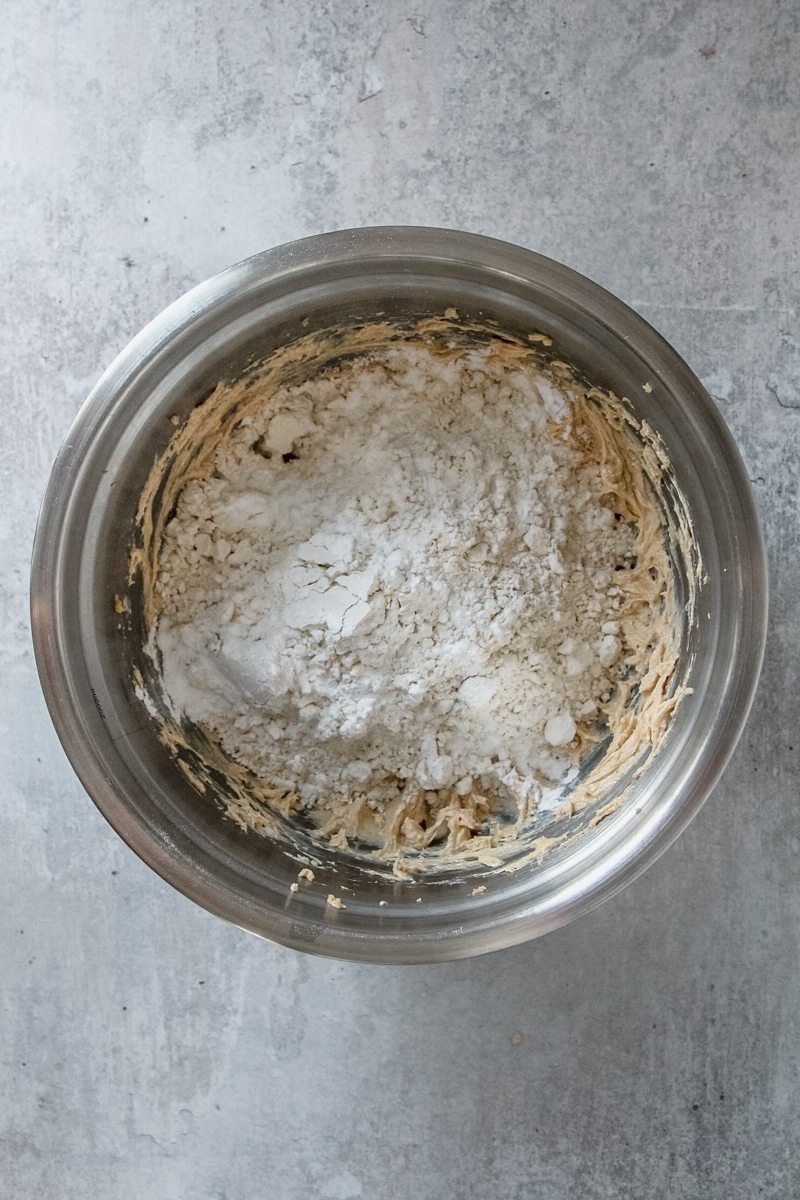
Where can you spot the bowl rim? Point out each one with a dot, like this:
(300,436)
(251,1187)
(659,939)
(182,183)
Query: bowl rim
(624,862)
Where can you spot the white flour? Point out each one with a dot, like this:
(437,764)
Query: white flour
(399,576)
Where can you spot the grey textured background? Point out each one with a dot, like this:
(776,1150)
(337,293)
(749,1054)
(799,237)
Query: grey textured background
(651,1050)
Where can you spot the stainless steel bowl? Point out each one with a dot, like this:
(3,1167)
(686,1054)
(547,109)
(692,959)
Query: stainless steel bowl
(80,564)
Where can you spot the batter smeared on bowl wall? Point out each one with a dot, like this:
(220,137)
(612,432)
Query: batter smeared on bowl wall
(410,590)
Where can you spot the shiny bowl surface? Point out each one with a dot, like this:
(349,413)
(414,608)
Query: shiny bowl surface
(81,556)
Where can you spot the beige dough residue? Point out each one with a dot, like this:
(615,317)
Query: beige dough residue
(441,824)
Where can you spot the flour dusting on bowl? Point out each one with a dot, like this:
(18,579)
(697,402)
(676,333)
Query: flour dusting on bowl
(412,591)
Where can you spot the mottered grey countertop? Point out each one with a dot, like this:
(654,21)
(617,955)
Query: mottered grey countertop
(652,1049)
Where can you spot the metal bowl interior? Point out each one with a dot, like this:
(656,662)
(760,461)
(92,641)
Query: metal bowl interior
(81,563)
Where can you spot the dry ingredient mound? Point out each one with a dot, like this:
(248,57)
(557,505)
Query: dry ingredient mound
(397,595)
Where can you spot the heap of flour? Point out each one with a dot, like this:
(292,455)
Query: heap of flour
(398,582)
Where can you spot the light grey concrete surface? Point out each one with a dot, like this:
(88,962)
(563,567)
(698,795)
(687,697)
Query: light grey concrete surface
(652,1049)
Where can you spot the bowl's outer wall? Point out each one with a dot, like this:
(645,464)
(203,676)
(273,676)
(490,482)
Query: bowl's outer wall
(81,563)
